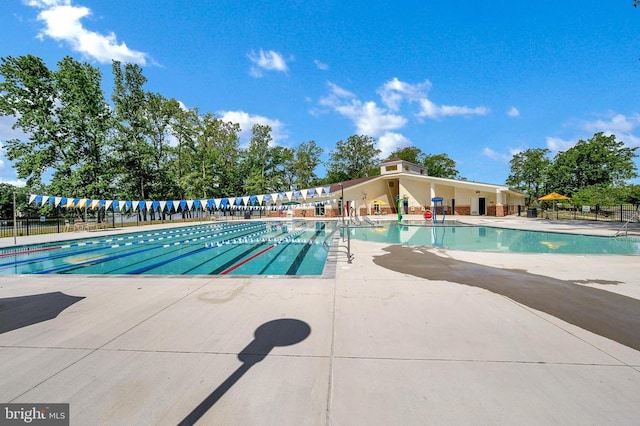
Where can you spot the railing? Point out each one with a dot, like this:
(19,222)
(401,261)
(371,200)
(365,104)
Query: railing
(616,213)
(329,237)
(37,225)
(625,228)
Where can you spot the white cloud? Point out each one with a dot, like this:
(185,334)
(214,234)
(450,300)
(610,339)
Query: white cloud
(62,22)
(269,60)
(494,155)
(246,122)
(393,92)
(14,182)
(390,141)
(557,144)
(431,110)
(368,118)
(513,112)
(321,65)
(617,123)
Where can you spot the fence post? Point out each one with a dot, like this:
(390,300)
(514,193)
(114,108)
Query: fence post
(621,220)
(27,224)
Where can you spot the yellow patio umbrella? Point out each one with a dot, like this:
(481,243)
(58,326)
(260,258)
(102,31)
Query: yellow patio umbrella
(554,196)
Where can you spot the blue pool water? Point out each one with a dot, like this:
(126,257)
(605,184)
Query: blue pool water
(481,238)
(244,248)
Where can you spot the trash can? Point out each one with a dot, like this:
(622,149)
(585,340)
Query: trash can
(532,212)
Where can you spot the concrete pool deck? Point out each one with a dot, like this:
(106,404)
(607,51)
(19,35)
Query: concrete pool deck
(372,345)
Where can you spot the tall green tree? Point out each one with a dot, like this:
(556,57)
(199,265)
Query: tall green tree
(440,165)
(437,165)
(66,119)
(85,121)
(185,130)
(412,154)
(28,93)
(601,160)
(306,160)
(528,172)
(6,200)
(134,154)
(212,159)
(354,158)
(161,115)
(257,159)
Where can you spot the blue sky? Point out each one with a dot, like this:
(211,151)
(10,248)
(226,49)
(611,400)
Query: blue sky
(476,80)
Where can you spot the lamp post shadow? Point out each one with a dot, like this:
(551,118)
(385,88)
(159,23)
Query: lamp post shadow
(281,332)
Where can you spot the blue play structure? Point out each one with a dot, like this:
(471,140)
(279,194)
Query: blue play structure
(435,202)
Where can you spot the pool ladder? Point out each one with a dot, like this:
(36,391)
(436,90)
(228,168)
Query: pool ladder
(348,240)
(625,228)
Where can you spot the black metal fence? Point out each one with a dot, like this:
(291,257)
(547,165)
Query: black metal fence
(35,225)
(617,213)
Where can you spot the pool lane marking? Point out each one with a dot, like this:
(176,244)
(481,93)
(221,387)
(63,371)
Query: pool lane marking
(231,229)
(17,253)
(235,265)
(231,246)
(248,259)
(293,269)
(145,268)
(92,261)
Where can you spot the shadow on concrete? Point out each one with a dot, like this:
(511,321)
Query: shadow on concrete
(608,314)
(281,332)
(23,311)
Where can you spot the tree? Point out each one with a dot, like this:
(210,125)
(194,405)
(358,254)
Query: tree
(257,159)
(67,121)
(409,153)
(133,154)
(601,160)
(28,93)
(528,172)
(161,114)
(437,165)
(85,121)
(440,165)
(355,158)
(306,160)
(184,129)
(212,159)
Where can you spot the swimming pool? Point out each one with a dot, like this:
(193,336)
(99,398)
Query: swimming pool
(244,248)
(483,238)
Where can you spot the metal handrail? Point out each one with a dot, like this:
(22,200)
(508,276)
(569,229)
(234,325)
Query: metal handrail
(625,228)
(348,246)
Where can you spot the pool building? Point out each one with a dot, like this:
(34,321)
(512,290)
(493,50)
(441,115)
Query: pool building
(411,184)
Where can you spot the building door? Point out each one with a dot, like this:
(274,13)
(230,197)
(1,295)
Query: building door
(474,206)
(482,206)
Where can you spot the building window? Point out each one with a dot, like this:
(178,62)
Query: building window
(319,209)
(391,168)
(406,168)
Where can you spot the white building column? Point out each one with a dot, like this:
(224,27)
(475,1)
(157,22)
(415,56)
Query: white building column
(432,194)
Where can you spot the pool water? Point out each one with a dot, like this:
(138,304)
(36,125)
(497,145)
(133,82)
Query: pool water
(244,248)
(482,238)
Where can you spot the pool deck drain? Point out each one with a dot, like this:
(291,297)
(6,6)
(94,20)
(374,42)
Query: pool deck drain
(384,347)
